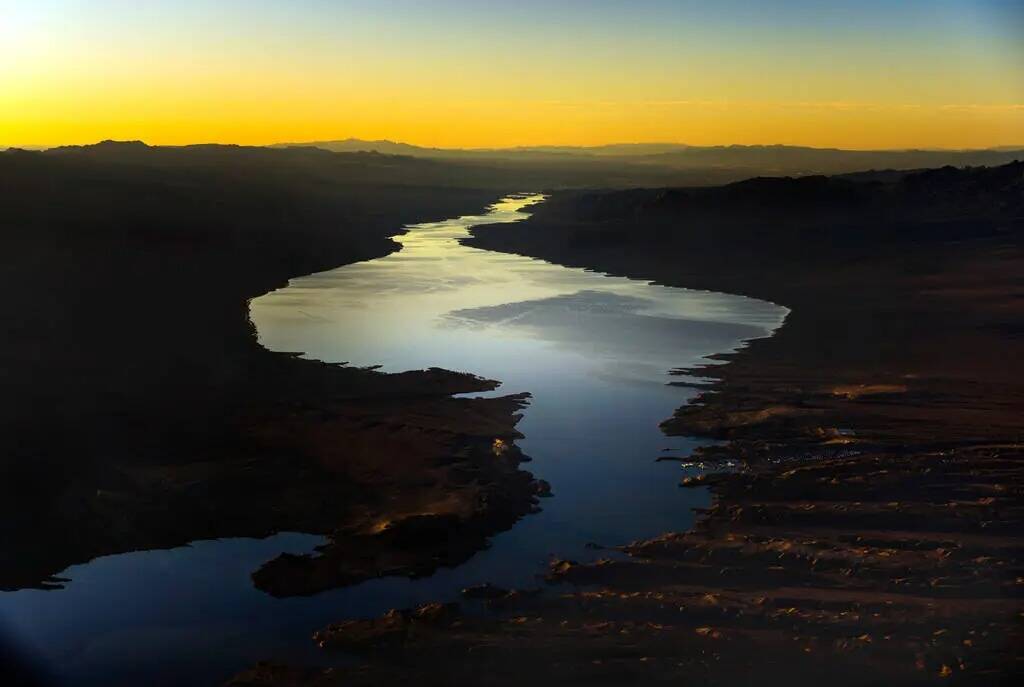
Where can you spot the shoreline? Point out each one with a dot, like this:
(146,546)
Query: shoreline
(164,421)
(872,532)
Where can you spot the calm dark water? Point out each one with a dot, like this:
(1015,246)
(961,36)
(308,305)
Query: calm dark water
(593,350)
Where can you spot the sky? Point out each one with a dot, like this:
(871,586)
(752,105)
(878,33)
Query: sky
(487,73)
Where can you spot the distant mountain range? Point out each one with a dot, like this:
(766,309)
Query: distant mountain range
(352,145)
(645,165)
(759,159)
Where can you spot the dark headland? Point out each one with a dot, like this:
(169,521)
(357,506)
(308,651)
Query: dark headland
(872,533)
(140,412)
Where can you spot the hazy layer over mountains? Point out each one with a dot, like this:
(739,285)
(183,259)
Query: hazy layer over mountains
(744,160)
(624,165)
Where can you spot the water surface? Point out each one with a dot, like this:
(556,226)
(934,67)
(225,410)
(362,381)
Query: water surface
(593,350)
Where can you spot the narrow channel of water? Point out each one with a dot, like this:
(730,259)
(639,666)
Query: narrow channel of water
(593,350)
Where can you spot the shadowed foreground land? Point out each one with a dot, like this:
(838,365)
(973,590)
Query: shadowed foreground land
(871,531)
(140,412)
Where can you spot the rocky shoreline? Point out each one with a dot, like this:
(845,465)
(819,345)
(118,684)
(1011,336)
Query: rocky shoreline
(140,411)
(869,532)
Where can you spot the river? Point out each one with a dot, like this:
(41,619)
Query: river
(593,350)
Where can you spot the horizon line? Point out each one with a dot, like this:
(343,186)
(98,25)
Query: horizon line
(524,146)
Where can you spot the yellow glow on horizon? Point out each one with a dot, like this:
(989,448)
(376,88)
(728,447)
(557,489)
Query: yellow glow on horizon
(175,119)
(446,75)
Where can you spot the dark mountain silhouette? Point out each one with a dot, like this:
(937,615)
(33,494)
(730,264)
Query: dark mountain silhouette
(671,158)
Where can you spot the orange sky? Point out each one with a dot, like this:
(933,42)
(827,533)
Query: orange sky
(855,75)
